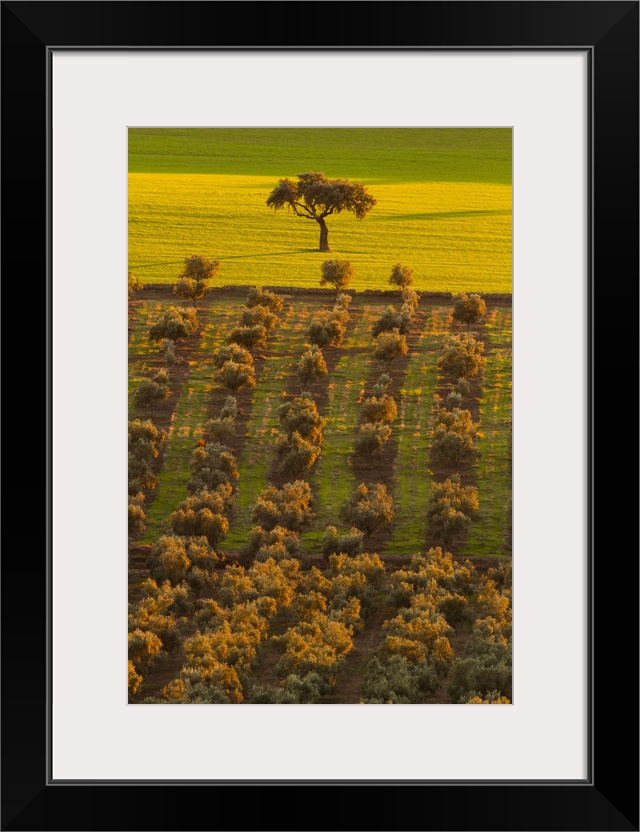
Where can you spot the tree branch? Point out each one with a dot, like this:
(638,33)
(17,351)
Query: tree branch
(308,208)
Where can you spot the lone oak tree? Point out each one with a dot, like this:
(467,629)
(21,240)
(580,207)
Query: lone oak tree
(315,197)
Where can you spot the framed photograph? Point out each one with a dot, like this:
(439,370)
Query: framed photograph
(110,110)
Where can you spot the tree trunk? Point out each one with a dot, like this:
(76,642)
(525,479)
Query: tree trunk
(324,236)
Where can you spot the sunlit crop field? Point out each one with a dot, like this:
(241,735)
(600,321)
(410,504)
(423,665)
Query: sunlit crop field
(443,205)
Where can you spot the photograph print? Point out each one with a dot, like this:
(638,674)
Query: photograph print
(319,415)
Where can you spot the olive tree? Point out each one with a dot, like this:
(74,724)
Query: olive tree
(289,507)
(371,438)
(311,366)
(390,320)
(336,273)
(250,337)
(174,324)
(133,285)
(232,352)
(211,465)
(389,346)
(401,276)
(152,392)
(462,356)
(468,309)
(201,515)
(236,376)
(369,508)
(263,297)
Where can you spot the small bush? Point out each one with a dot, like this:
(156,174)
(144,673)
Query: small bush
(371,438)
(174,324)
(481,676)
(212,465)
(301,416)
(289,507)
(250,337)
(201,515)
(462,386)
(295,454)
(258,316)
(169,347)
(348,543)
(135,680)
(260,539)
(391,320)
(149,394)
(397,681)
(401,276)
(263,297)
(220,430)
(229,408)
(369,508)
(381,385)
(326,330)
(390,345)
(232,352)
(462,356)
(145,439)
(336,273)
(144,648)
(468,309)
(236,376)
(137,521)
(379,409)
(311,366)
(410,301)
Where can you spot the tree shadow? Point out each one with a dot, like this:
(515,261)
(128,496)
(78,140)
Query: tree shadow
(437,215)
(273,254)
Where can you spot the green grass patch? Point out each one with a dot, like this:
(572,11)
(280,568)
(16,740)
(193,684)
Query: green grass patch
(381,154)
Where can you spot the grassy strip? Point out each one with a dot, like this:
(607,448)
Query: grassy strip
(413,480)
(488,534)
(386,154)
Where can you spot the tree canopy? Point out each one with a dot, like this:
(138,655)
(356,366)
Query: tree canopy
(316,197)
(468,309)
(337,273)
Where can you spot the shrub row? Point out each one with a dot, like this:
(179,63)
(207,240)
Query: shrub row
(144,444)
(452,507)
(187,558)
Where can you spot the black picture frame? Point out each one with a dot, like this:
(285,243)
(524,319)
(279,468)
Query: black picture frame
(608,798)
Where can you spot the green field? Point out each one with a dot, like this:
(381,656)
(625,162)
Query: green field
(444,204)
